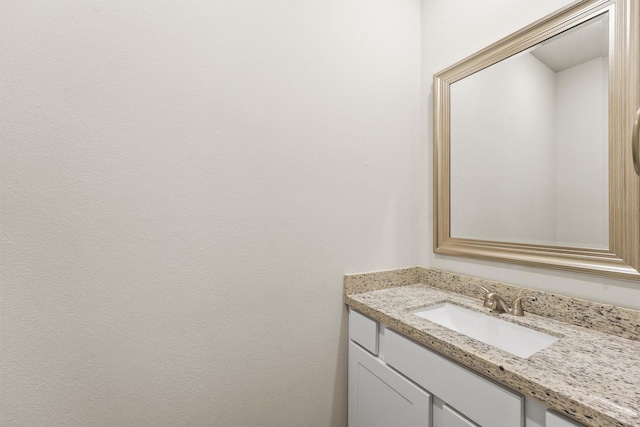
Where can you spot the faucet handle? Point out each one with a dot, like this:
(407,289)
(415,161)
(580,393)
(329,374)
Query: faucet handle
(489,298)
(483,288)
(516,305)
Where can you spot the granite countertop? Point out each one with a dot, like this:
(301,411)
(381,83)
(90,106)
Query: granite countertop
(591,376)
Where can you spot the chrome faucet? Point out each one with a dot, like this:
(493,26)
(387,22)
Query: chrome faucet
(497,304)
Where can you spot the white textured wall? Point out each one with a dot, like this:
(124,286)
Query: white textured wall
(184,184)
(451,31)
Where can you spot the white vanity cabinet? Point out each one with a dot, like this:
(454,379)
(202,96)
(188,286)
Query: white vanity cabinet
(394,381)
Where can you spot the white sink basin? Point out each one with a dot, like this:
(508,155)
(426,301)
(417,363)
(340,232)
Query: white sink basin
(513,338)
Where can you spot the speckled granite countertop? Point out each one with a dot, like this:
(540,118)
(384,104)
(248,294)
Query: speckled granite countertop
(591,376)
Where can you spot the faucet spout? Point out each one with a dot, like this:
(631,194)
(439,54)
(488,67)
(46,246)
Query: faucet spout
(496,303)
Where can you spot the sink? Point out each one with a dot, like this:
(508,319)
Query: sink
(510,337)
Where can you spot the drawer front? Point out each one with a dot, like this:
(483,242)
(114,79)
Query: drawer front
(364,331)
(471,394)
(556,420)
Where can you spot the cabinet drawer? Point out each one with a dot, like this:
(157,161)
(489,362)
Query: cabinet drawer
(364,331)
(556,420)
(468,392)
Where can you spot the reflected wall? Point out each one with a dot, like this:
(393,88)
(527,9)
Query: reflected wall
(529,142)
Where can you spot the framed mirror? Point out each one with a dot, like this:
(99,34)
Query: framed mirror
(533,145)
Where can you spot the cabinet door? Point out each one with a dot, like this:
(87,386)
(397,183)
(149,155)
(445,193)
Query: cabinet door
(450,418)
(380,397)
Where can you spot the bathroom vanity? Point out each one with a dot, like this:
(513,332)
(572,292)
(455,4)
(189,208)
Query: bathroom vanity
(406,370)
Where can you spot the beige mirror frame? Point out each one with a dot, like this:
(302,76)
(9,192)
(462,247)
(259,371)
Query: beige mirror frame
(622,259)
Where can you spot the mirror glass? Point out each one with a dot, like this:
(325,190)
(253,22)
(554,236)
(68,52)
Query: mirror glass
(529,144)
(534,145)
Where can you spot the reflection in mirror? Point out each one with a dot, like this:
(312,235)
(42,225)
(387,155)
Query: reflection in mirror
(529,144)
